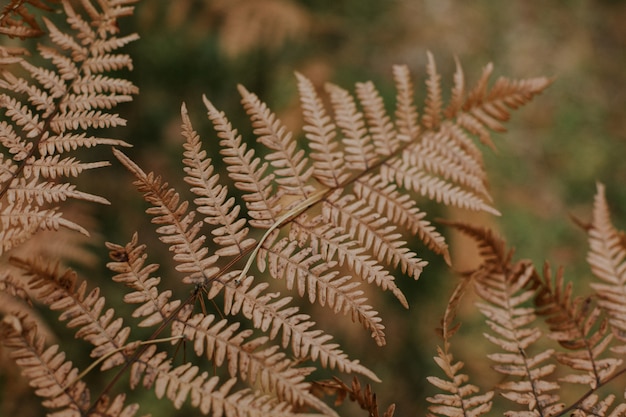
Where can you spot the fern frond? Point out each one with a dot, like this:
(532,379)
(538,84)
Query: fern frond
(607,258)
(359,150)
(401,210)
(504,288)
(128,264)
(178,229)
(434,102)
(262,202)
(374,232)
(406,110)
(328,164)
(576,325)
(247,359)
(47,370)
(303,270)
(333,243)
(186,381)
(231,233)
(461,398)
(49,104)
(60,291)
(270,313)
(364,397)
(382,131)
(292,168)
(591,406)
(485,109)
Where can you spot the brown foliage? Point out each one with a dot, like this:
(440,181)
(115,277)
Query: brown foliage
(329,218)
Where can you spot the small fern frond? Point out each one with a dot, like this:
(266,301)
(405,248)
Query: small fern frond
(154,370)
(607,258)
(576,325)
(434,102)
(406,110)
(60,291)
(128,264)
(461,399)
(50,104)
(364,397)
(271,313)
(262,202)
(328,164)
(384,136)
(373,232)
(302,270)
(505,288)
(247,359)
(291,167)
(178,227)
(232,231)
(359,151)
(47,370)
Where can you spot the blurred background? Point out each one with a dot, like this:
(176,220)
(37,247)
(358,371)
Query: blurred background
(544,169)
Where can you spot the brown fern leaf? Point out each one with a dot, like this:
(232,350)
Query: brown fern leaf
(434,102)
(406,110)
(290,166)
(16,20)
(53,378)
(330,241)
(460,398)
(364,397)
(262,202)
(328,163)
(180,383)
(576,325)
(504,288)
(592,407)
(128,264)
(49,109)
(359,150)
(232,232)
(60,291)
(178,227)
(607,258)
(303,270)
(271,313)
(246,358)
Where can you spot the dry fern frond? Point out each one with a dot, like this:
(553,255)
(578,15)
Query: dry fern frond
(60,291)
(52,376)
(505,287)
(460,398)
(154,370)
(305,220)
(16,20)
(607,258)
(579,327)
(56,109)
(364,397)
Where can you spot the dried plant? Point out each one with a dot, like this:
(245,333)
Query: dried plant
(326,219)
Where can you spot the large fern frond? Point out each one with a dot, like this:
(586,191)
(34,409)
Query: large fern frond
(55,107)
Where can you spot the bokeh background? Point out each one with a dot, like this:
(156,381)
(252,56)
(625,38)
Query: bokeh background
(543,171)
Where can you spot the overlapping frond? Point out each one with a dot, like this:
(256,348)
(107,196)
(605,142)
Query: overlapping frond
(52,376)
(579,327)
(60,290)
(459,397)
(55,107)
(607,258)
(505,289)
(153,370)
(178,227)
